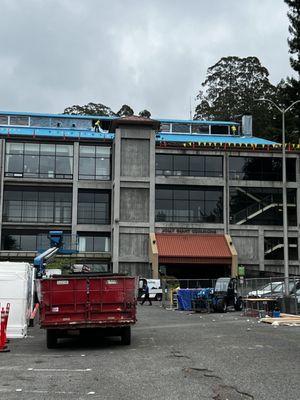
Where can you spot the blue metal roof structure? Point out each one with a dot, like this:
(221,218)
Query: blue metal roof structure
(75,133)
(63,133)
(221,139)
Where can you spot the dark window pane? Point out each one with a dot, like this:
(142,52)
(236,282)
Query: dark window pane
(47,149)
(181,165)
(64,165)
(197,166)
(213,166)
(164,164)
(31,166)
(28,242)
(87,151)
(291,169)
(47,166)
(181,194)
(19,120)
(14,164)
(31,149)
(102,167)
(14,148)
(87,167)
(181,128)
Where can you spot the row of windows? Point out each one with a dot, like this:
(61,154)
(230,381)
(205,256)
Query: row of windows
(258,206)
(261,206)
(56,161)
(252,206)
(31,241)
(243,168)
(204,129)
(33,160)
(261,168)
(45,122)
(177,165)
(44,206)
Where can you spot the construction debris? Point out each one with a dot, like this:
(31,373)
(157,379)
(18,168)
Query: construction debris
(284,319)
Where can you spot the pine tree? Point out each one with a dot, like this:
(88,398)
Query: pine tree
(289,90)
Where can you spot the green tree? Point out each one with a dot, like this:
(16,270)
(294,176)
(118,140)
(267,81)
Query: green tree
(145,114)
(125,111)
(289,89)
(90,109)
(294,29)
(230,89)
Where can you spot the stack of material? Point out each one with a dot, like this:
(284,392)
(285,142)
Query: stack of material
(284,319)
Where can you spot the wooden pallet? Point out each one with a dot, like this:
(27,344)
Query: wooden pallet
(284,319)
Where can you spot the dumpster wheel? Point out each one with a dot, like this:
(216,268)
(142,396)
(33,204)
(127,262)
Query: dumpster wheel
(51,339)
(126,336)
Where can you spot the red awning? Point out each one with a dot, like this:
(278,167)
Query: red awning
(192,249)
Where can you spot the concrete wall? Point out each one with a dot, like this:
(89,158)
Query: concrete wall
(134,205)
(135,156)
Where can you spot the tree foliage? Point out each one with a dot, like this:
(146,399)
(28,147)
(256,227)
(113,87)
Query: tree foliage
(125,111)
(294,29)
(90,109)
(145,114)
(289,89)
(231,89)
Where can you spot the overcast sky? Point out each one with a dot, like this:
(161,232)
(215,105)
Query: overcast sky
(146,53)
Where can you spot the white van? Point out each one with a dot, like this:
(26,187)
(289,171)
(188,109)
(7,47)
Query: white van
(155,289)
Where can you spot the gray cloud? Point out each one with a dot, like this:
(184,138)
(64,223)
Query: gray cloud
(147,53)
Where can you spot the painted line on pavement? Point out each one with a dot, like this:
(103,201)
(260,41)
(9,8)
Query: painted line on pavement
(58,370)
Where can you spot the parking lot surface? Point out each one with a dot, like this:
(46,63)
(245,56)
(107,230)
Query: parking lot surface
(173,355)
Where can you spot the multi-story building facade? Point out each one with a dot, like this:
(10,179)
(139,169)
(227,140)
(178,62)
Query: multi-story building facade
(118,193)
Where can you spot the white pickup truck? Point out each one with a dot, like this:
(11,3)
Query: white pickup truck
(155,289)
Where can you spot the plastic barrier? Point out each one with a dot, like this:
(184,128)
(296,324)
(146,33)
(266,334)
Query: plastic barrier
(3,327)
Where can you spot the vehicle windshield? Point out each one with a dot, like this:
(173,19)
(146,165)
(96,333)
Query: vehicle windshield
(269,287)
(280,287)
(222,285)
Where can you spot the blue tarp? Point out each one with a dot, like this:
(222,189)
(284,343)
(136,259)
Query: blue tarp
(185,297)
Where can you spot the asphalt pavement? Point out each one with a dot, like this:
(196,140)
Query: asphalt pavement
(173,355)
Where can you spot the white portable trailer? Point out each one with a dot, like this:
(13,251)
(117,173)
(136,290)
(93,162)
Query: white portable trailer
(17,288)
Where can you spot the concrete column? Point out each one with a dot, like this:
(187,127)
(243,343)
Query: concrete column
(116,201)
(75,191)
(152,183)
(261,249)
(298,202)
(226,196)
(2,167)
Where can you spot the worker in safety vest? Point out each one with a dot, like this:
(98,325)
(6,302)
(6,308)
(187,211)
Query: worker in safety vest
(97,126)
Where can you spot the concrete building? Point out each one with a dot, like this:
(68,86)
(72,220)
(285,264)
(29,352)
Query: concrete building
(191,198)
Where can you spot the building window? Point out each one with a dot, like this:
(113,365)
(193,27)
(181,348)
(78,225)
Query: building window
(200,129)
(34,160)
(19,120)
(93,207)
(261,206)
(261,168)
(29,240)
(3,120)
(94,162)
(37,205)
(189,165)
(93,242)
(182,204)
(274,248)
(181,128)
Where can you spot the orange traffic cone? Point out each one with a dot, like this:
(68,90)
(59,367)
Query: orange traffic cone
(3,327)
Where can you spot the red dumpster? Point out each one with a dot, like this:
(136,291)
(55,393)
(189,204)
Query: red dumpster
(87,301)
